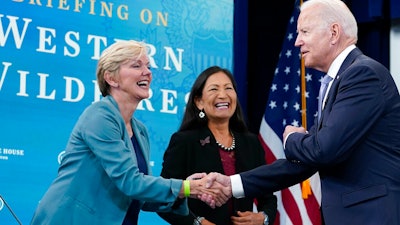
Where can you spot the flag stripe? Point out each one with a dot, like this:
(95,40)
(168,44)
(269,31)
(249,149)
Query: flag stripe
(291,207)
(312,204)
(274,145)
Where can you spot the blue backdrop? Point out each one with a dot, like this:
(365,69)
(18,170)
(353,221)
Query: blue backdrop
(48,56)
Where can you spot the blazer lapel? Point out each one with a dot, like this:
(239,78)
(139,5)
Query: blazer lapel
(142,141)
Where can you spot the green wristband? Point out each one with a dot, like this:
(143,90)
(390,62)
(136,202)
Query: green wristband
(186,188)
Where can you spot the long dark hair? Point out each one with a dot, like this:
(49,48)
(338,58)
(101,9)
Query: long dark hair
(191,119)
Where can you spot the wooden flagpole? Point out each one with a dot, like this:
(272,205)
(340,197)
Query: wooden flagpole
(305,186)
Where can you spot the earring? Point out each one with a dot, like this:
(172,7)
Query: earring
(202,114)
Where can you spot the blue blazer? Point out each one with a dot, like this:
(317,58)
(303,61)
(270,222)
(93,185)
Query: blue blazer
(355,148)
(98,176)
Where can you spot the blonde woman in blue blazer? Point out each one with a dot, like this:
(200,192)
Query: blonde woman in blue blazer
(105,176)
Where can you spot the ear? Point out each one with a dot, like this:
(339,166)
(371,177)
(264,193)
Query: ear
(110,79)
(199,103)
(335,33)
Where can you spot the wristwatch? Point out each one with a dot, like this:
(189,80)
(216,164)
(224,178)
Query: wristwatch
(197,220)
(266,219)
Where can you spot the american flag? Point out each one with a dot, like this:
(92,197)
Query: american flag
(284,107)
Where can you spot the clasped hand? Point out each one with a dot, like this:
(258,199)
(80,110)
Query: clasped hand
(214,188)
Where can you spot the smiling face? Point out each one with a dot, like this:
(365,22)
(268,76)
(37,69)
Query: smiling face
(219,98)
(135,78)
(132,81)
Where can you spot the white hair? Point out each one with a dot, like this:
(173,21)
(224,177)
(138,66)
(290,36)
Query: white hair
(335,11)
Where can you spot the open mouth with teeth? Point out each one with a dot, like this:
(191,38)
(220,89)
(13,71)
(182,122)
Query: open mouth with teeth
(143,83)
(222,105)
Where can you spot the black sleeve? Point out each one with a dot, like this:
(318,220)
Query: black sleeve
(174,161)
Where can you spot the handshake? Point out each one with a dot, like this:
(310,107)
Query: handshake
(214,188)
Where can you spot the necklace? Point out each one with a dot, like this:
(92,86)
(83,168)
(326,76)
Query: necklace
(227,149)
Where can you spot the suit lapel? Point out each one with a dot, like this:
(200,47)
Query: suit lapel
(349,60)
(334,87)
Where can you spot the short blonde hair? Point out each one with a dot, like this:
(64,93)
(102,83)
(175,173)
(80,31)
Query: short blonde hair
(112,58)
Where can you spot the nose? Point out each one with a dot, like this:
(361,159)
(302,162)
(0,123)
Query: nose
(298,41)
(222,93)
(146,70)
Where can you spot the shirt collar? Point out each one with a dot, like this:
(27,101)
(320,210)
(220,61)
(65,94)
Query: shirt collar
(334,68)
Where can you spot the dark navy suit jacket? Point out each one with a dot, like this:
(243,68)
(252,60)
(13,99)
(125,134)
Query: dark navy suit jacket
(355,148)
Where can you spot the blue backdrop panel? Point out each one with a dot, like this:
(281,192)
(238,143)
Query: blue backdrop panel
(48,56)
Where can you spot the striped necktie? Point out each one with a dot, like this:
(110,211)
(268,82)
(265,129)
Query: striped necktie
(322,91)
